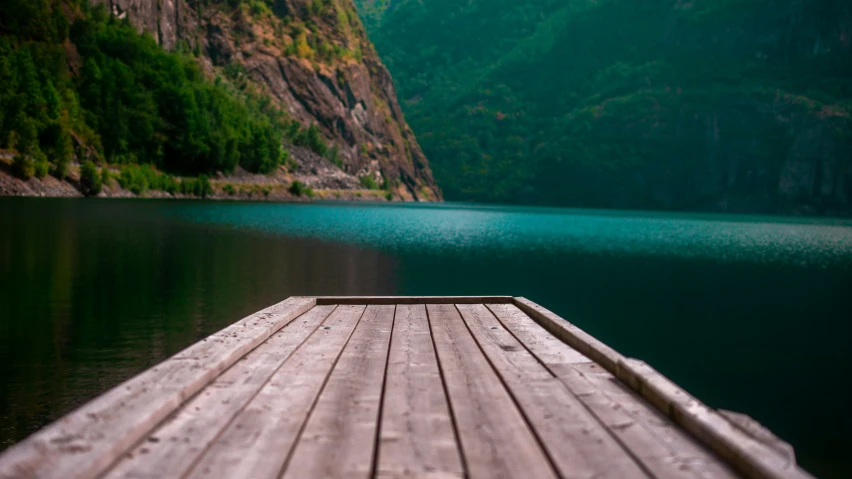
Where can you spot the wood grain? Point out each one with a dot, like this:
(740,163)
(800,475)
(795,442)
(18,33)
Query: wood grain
(417,437)
(256,443)
(88,440)
(744,452)
(172,448)
(339,438)
(388,387)
(571,335)
(576,442)
(413,299)
(496,440)
(664,449)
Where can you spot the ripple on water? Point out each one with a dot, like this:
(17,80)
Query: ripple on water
(474,230)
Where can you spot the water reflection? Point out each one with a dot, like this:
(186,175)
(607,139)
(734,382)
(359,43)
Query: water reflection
(748,313)
(92,293)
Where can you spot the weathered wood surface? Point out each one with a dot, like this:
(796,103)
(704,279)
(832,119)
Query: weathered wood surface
(414,299)
(339,438)
(425,387)
(173,448)
(578,444)
(85,442)
(496,440)
(662,448)
(259,440)
(417,434)
(741,451)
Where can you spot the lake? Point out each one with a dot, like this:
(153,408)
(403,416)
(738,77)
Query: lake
(751,314)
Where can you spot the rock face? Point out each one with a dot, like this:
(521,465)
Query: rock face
(314,60)
(167,20)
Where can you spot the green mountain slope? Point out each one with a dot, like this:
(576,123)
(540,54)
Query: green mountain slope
(724,105)
(130,101)
(202,88)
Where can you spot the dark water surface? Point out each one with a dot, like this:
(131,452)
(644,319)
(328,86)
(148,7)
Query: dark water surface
(750,314)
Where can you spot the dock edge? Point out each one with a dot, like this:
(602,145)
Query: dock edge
(182,375)
(745,452)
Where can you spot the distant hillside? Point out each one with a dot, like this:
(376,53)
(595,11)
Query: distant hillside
(720,105)
(286,88)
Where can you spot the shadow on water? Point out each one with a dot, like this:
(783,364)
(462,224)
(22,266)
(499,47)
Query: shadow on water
(748,313)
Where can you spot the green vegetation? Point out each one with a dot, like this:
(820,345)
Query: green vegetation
(368,182)
(615,102)
(297,188)
(106,177)
(140,179)
(41,167)
(128,102)
(200,186)
(90,181)
(333,155)
(309,138)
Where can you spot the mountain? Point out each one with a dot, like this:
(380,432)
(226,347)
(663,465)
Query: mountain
(265,89)
(708,105)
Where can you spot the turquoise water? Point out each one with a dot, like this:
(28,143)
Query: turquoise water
(750,314)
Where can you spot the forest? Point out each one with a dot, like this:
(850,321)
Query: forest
(718,105)
(77,82)
(724,105)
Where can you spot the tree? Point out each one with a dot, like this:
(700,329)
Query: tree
(29,86)
(203,187)
(52,101)
(24,166)
(63,153)
(40,165)
(90,180)
(132,101)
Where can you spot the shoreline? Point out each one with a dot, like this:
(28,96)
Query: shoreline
(227,188)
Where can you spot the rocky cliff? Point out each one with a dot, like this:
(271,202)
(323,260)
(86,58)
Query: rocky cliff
(313,58)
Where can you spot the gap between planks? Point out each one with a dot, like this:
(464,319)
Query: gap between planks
(89,439)
(157,393)
(577,443)
(493,434)
(663,450)
(259,444)
(417,437)
(174,447)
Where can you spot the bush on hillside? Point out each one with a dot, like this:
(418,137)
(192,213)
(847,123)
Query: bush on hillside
(90,180)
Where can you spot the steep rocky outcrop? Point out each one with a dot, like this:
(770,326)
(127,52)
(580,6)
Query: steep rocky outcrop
(314,60)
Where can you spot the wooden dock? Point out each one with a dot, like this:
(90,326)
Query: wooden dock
(398,387)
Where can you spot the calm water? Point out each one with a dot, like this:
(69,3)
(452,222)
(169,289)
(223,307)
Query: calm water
(750,314)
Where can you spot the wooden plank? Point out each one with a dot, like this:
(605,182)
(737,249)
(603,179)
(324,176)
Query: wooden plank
(87,441)
(417,438)
(573,336)
(496,440)
(340,437)
(761,433)
(744,452)
(740,449)
(256,443)
(551,350)
(414,299)
(665,448)
(172,448)
(654,440)
(576,442)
